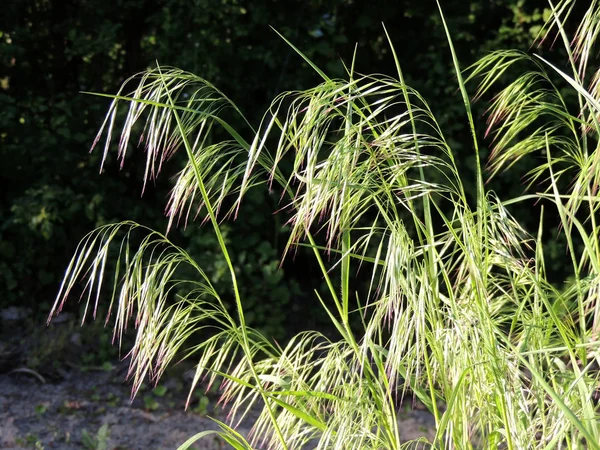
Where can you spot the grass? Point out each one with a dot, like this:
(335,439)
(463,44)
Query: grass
(98,441)
(459,312)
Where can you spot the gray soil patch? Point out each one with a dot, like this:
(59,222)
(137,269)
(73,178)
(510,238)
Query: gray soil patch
(93,410)
(74,414)
(60,406)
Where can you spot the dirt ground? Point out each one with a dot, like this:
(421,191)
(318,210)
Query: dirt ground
(92,409)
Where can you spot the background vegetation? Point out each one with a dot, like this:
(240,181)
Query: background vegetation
(52,50)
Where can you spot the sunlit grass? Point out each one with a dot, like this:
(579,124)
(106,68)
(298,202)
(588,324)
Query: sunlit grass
(459,311)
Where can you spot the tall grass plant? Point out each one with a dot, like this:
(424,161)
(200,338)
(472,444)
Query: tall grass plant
(458,315)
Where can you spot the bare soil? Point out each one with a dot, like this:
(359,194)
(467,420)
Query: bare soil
(70,408)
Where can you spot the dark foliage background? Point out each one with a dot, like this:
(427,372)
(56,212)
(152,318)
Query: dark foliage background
(51,50)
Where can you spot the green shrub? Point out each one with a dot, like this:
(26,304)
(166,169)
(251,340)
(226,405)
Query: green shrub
(459,312)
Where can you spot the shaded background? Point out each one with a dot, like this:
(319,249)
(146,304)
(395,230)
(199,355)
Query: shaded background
(52,193)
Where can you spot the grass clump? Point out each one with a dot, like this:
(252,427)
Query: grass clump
(459,312)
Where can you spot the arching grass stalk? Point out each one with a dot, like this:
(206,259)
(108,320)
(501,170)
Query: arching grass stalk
(236,292)
(429,239)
